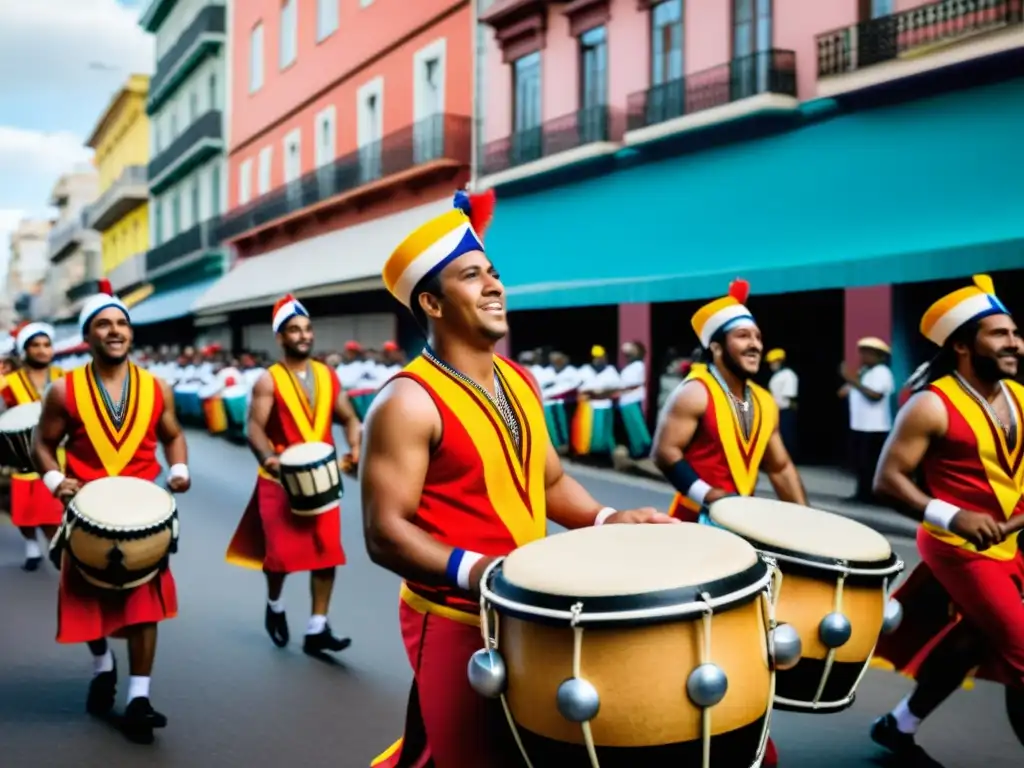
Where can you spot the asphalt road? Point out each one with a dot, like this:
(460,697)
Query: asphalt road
(235,701)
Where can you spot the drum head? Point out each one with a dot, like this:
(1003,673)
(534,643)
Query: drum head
(795,528)
(306,453)
(128,503)
(21,417)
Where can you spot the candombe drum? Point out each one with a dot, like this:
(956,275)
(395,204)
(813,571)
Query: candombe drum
(213,408)
(187,405)
(833,598)
(119,531)
(361,400)
(311,478)
(236,409)
(631,646)
(16,427)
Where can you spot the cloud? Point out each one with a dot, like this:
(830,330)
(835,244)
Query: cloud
(25,153)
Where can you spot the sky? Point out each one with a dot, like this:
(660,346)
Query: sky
(61,61)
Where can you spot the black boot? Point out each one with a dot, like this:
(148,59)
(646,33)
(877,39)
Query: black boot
(140,719)
(31,564)
(102,693)
(277,627)
(318,644)
(885,734)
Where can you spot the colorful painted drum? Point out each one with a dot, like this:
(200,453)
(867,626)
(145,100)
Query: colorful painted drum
(361,400)
(833,601)
(236,409)
(187,405)
(213,409)
(627,645)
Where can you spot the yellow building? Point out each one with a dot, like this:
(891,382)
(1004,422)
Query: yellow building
(121,212)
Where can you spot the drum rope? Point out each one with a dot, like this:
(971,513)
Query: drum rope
(705,658)
(830,658)
(769,601)
(577,659)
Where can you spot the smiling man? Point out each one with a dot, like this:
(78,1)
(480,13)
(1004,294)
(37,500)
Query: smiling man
(457,471)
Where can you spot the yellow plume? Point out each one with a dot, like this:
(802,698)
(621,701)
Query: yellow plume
(984,282)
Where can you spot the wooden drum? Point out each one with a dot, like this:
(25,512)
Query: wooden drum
(16,427)
(630,645)
(833,599)
(311,478)
(119,531)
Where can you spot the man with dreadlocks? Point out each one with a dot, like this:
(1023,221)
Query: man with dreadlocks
(962,434)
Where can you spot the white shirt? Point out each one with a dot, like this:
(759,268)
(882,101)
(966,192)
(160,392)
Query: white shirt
(544,374)
(784,386)
(596,381)
(872,416)
(562,382)
(634,381)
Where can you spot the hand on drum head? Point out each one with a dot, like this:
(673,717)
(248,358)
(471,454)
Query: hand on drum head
(273,465)
(67,489)
(714,495)
(179,484)
(979,529)
(640,516)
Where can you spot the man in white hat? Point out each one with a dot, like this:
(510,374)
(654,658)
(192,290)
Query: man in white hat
(869,392)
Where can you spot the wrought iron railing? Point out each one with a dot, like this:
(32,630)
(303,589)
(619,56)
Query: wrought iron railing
(200,237)
(441,137)
(771,71)
(584,126)
(206,127)
(890,37)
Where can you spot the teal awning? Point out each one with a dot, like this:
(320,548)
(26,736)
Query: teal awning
(169,305)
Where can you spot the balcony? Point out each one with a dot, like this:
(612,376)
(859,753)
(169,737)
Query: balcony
(126,193)
(193,147)
(437,145)
(582,135)
(66,236)
(520,26)
(82,290)
(184,249)
(918,41)
(763,82)
(201,39)
(129,273)
(155,14)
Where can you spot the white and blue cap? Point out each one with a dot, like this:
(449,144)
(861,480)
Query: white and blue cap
(29,331)
(105,299)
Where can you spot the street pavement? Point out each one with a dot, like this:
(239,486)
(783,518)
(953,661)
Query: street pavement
(235,701)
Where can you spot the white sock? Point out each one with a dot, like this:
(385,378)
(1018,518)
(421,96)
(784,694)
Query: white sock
(906,721)
(103,663)
(277,606)
(138,688)
(316,624)
(32,550)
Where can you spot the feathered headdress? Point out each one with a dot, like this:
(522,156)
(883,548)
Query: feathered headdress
(974,302)
(723,314)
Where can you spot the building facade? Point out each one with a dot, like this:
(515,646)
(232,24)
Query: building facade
(803,146)
(350,123)
(26,271)
(186,174)
(120,213)
(75,250)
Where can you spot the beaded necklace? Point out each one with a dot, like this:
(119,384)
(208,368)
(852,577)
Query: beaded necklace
(1010,430)
(116,409)
(742,409)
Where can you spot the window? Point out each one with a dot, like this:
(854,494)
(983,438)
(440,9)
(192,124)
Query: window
(256,58)
(245,182)
(527,139)
(176,213)
(880,8)
(326,18)
(174,125)
(325,136)
(158,224)
(370,128)
(263,173)
(288,43)
(590,122)
(428,101)
(193,107)
(292,156)
(751,47)
(666,42)
(196,214)
(158,139)
(215,191)
(213,91)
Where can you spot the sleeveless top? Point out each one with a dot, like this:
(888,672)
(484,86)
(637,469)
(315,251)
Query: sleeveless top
(481,492)
(719,453)
(293,418)
(973,467)
(97,447)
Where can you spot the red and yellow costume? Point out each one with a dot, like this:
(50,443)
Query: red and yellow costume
(270,536)
(479,495)
(96,448)
(973,467)
(32,504)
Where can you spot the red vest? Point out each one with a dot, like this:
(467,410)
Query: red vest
(95,447)
(972,466)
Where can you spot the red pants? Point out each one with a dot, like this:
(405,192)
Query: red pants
(272,537)
(448,724)
(86,613)
(32,504)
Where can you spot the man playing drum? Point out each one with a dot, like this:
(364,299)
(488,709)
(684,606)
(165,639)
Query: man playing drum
(113,414)
(458,470)
(32,505)
(296,401)
(719,428)
(962,433)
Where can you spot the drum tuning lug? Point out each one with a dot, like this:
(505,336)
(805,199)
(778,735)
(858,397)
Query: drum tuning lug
(787,647)
(893,616)
(575,610)
(834,630)
(487,673)
(707,685)
(578,700)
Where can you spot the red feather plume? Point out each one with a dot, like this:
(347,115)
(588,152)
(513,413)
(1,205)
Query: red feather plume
(482,207)
(17,329)
(105,286)
(280,303)
(739,289)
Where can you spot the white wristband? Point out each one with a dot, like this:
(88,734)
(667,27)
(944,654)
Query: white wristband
(603,515)
(698,492)
(53,479)
(178,470)
(468,561)
(940,513)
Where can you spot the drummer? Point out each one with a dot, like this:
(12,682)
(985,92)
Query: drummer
(107,397)
(458,471)
(296,401)
(33,507)
(963,432)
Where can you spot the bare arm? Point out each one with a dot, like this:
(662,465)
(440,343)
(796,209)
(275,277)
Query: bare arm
(677,423)
(51,430)
(919,422)
(568,503)
(169,430)
(782,472)
(261,405)
(345,415)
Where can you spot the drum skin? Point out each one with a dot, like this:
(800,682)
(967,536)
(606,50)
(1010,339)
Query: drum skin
(139,554)
(641,674)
